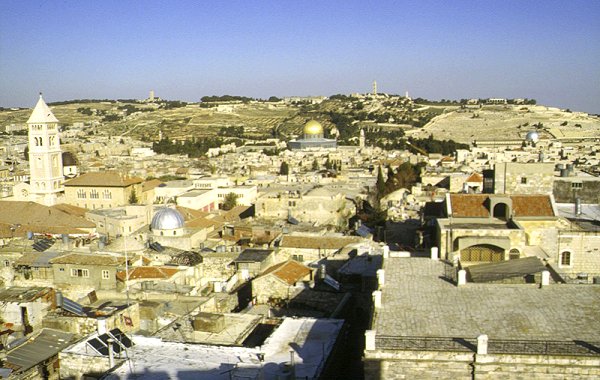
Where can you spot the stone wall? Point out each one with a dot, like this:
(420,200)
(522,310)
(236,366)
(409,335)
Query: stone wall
(565,193)
(546,367)
(391,365)
(79,366)
(585,254)
(523,178)
(396,364)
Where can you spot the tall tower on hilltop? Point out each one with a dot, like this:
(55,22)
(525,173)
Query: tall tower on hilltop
(45,157)
(374,87)
(361,139)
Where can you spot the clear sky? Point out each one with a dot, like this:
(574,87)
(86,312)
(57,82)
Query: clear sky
(183,50)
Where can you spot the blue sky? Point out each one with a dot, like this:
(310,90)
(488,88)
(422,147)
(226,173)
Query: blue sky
(547,50)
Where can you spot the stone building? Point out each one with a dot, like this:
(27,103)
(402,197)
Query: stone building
(586,188)
(317,205)
(95,271)
(475,228)
(281,281)
(25,307)
(519,178)
(102,190)
(425,327)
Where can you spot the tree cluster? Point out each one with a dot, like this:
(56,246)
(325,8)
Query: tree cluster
(193,149)
(225,98)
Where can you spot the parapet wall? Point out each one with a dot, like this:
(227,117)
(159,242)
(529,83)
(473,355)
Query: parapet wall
(441,365)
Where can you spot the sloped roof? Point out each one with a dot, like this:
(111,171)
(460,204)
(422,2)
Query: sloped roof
(88,259)
(201,223)
(37,259)
(137,273)
(41,113)
(23,294)
(475,177)
(253,255)
(289,271)
(317,242)
(70,209)
(35,217)
(103,179)
(46,344)
(475,205)
(505,269)
(151,184)
(532,205)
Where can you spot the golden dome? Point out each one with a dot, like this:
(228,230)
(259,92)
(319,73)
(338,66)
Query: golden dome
(312,128)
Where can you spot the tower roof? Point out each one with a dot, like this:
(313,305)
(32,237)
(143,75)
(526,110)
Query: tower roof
(41,113)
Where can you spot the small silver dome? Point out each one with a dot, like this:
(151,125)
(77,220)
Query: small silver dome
(532,136)
(167,219)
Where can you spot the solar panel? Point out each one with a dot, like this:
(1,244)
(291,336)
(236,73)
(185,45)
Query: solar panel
(43,244)
(121,337)
(72,306)
(116,346)
(97,345)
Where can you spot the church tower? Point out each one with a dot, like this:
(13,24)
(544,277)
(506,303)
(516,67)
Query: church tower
(45,157)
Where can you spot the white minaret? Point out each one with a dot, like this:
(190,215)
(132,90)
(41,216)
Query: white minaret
(375,87)
(45,157)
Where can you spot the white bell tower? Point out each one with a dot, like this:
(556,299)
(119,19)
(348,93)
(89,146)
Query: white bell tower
(45,157)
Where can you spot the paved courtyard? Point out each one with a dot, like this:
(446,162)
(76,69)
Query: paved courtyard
(418,301)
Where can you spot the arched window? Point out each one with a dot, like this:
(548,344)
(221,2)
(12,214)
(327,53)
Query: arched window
(565,259)
(514,254)
(500,211)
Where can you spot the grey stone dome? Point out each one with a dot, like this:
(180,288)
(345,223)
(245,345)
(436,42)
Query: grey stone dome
(532,136)
(167,219)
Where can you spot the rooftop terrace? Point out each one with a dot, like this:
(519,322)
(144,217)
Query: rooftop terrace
(418,302)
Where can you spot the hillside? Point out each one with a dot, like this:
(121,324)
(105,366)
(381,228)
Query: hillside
(258,120)
(509,122)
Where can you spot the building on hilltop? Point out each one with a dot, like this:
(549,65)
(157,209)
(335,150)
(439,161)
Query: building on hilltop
(313,138)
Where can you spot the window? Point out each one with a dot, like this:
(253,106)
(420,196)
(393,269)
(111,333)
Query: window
(75,272)
(81,194)
(292,203)
(576,185)
(105,274)
(565,259)
(94,194)
(6,263)
(107,194)
(523,180)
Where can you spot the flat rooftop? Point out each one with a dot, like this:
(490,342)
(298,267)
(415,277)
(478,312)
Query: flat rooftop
(311,340)
(417,301)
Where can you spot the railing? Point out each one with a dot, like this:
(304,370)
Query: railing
(410,343)
(543,347)
(495,346)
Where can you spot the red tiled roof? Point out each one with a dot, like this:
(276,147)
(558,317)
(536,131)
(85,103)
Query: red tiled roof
(532,205)
(469,205)
(289,271)
(475,177)
(476,205)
